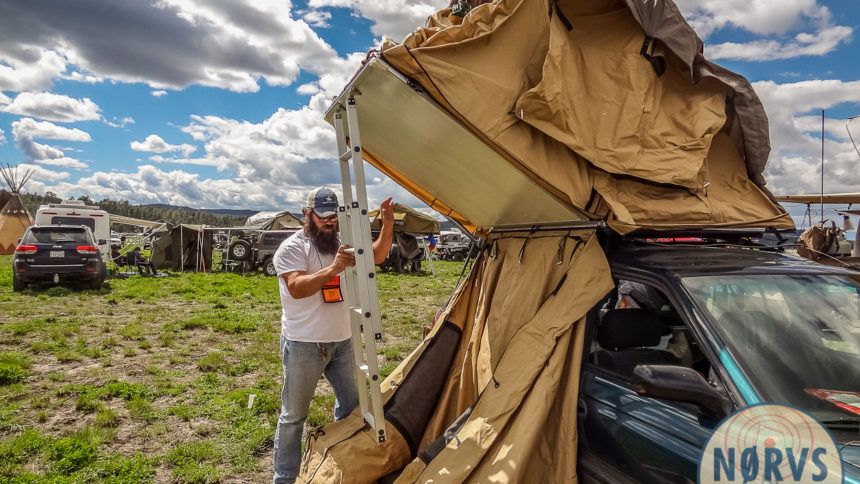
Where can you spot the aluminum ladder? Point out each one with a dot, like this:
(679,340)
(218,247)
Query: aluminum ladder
(362,295)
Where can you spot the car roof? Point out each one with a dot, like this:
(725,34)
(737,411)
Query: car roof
(59,226)
(697,260)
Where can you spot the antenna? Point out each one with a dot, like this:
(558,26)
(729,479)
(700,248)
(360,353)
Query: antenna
(847,122)
(822,166)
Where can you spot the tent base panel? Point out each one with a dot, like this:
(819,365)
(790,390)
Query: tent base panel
(348,452)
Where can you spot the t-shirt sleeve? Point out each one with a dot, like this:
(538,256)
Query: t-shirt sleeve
(291,257)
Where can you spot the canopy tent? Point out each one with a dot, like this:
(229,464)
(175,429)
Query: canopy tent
(183,247)
(522,117)
(273,221)
(407,219)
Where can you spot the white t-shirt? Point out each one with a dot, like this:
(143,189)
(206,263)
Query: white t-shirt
(309,319)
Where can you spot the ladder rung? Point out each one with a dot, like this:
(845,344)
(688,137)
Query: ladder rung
(346,155)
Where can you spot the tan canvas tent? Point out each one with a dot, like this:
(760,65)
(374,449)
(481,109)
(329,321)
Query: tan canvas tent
(273,221)
(531,122)
(14,217)
(407,219)
(183,248)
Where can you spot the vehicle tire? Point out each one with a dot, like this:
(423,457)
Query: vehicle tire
(458,257)
(240,250)
(95,283)
(269,268)
(18,285)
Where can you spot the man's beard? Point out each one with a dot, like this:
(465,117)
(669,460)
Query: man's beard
(326,242)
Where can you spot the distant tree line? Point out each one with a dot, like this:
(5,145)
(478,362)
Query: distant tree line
(155,213)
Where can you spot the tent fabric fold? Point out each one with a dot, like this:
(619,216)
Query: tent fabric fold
(578,105)
(515,365)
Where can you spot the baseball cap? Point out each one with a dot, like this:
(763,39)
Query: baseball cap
(323,202)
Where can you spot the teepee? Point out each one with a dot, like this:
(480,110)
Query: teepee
(14,218)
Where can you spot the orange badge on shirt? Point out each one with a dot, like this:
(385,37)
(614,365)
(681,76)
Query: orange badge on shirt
(331,291)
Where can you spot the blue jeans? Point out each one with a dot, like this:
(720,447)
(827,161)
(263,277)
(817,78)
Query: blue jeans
(304,364)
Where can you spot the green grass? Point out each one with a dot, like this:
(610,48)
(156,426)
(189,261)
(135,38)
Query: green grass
(149,379)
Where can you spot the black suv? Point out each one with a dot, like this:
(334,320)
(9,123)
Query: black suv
(55,254)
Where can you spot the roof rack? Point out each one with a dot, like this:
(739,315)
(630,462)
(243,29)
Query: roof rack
(756,236)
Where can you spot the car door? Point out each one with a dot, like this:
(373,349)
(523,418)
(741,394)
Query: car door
(627,437)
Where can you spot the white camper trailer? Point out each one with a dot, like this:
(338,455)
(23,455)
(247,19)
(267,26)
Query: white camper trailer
(76,212)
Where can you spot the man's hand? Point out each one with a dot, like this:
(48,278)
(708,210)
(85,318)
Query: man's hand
(342,260)
(382,244)
(386,212)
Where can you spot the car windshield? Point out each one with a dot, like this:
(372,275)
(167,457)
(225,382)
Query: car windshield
(796,336)
(56,236)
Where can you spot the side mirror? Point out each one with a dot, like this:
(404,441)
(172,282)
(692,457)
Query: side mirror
(681,384)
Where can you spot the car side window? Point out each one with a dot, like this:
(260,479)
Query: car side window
(636,325)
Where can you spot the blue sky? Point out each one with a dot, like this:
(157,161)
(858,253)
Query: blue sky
(218,103)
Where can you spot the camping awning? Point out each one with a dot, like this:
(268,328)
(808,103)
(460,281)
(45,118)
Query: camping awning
(135,221)
(409,137)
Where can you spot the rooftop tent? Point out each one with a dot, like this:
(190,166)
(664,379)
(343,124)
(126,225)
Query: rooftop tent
(183,248)
(273,221)
(593,100)
(530,121)
(407,219)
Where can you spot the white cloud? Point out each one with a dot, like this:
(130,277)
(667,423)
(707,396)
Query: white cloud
(317,18)
(762,50)
(120,123)
(167,44)
(794,112)
(26,130)
(28,68)
(788,28)
(154,144)
(159,93)
(2,137)
(30,128)
(308,89)
(52,107)
(45,174)
(391,18)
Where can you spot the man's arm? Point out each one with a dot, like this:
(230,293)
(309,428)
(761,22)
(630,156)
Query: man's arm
(382,244)
(300,284)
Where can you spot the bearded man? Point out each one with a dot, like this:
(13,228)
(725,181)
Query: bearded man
(315,330)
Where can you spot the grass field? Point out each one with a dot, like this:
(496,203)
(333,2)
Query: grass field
(149,379)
